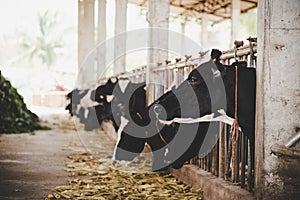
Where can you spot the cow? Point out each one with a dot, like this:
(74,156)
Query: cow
(101,111)
(92,106)
(208,90)
(74,96)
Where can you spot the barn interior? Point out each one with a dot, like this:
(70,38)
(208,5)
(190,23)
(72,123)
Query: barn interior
(50,48)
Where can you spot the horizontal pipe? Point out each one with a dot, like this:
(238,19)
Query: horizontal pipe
(292,141)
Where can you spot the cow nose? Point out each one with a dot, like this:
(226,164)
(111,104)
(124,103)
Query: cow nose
(115,163)
(158,109)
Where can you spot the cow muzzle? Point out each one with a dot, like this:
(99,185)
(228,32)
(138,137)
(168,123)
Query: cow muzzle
(119,163)
(158,109)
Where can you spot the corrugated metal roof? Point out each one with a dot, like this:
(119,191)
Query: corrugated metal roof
(218,9)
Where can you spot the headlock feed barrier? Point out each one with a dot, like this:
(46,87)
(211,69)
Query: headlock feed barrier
(231,161)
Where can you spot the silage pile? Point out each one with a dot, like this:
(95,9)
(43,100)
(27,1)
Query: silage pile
(14,115)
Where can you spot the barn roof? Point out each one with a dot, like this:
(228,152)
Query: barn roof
(217,9)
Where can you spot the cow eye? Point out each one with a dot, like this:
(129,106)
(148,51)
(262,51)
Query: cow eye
(101,96)
(193,79)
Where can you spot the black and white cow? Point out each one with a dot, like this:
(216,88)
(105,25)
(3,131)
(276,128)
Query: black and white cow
(209,89)
(102,110)
(92,106)
(75,96)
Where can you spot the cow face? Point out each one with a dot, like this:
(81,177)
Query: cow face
(130,115)
(193,97)
(103,92)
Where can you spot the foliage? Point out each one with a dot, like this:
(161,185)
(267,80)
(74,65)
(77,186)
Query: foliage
(248,22)
(15,117)
(45,44)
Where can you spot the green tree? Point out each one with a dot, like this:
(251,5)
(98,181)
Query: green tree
(45,44)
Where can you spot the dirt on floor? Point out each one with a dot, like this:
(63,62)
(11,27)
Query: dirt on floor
(31,164)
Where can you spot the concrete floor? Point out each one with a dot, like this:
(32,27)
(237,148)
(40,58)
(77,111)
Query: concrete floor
(31,164)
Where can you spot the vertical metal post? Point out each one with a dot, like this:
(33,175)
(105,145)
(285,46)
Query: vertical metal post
(243,160)
(222,150)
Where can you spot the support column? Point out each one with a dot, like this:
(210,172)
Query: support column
(204,31)
(86,61)
(120,36)
(235,20)
(101,50)
(158,19)
(277,105)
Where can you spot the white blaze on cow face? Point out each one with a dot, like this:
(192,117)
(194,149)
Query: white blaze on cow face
(123,123)
(123,83)
(86,102)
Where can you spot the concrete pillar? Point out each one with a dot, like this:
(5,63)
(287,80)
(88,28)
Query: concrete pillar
(235,20)
(278,99)
(120,36)
(101,50)
(86,29)
(158,19)
(204,31)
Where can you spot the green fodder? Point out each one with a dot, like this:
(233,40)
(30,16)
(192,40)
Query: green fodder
(14,115)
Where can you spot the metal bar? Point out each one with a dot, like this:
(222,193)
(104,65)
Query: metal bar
(293,140)
(250,164)
(243,161)
(217,159)
(222,143)
(241,51)
(213,164)
(200,163)
(205,163)
(228,159)
(209,162)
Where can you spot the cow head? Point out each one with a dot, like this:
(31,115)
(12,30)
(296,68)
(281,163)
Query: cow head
(103,92)
(130,115)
